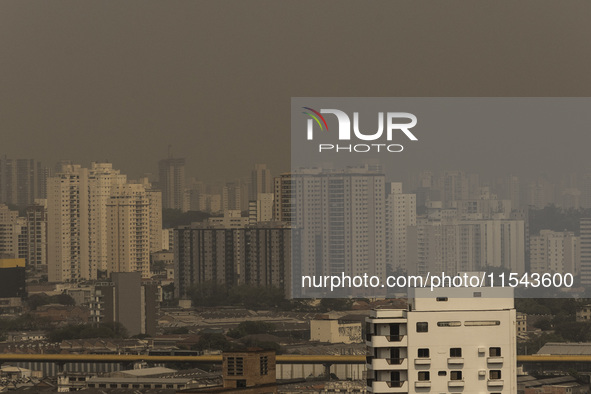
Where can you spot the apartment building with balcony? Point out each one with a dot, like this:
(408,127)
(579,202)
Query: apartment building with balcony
(452,340)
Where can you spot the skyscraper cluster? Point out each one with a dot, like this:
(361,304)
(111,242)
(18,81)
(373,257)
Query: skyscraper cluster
(97,220)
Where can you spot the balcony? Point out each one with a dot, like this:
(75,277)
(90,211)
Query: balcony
(422,384)
(494,360)
(390,387)
(387,341)
(495,383)
(455,360)
(423,361)
(455,383)
(388,364)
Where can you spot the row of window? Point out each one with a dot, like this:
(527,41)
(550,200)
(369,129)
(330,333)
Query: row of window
(457,352)
(494,374)
(424,326)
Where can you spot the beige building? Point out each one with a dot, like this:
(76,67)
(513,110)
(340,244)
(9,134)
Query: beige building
(12,234)
(81,221)
(336,330)
(552,251)
(450,340)
(401,213)
(132,214)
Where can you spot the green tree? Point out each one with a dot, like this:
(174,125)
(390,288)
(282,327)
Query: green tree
(250,328)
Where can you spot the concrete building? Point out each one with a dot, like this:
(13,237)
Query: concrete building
(401,213)
(585,234)
(232,196)
(231,219)
(345,329)
(450,245)
(13,242)
(172,183)
(255,255)
(261,209)
(126,300)
(342,217)
(261,181)
(134,223)
(21,181)
(448,341)
(83,208)
(552,251)
(248,369)
(36,235)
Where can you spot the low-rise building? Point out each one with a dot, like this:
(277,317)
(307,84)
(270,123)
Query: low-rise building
(346,329)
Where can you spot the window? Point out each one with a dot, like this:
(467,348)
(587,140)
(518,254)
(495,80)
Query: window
(235,366)
(494,374)
(423,353)
(449,324)
(424,375)
(422,326)
(441,299)
(477,294)
(455,375)
(494,352)
(264,361)
(442,373)
(455,352)
(471,323)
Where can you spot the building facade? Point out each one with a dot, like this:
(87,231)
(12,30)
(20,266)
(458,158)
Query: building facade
(172,182)
(452,341)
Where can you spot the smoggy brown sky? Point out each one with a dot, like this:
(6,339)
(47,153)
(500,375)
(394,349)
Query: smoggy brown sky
(119,81)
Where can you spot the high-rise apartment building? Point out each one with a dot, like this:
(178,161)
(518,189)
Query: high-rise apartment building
(453,246)
(36,235)
(231,196)
(12,234)
(260,181)
(552,251)
(21,181)
(261,209)
(585,233)
(256,255)
(453,340)
(81,225)
(129,212)
(342,217)
(172,183)
(401,213)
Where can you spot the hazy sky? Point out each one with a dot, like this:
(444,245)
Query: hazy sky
(119,81)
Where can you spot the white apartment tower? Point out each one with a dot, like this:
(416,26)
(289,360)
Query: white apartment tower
(450,340)
(341,214)
(401,213)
